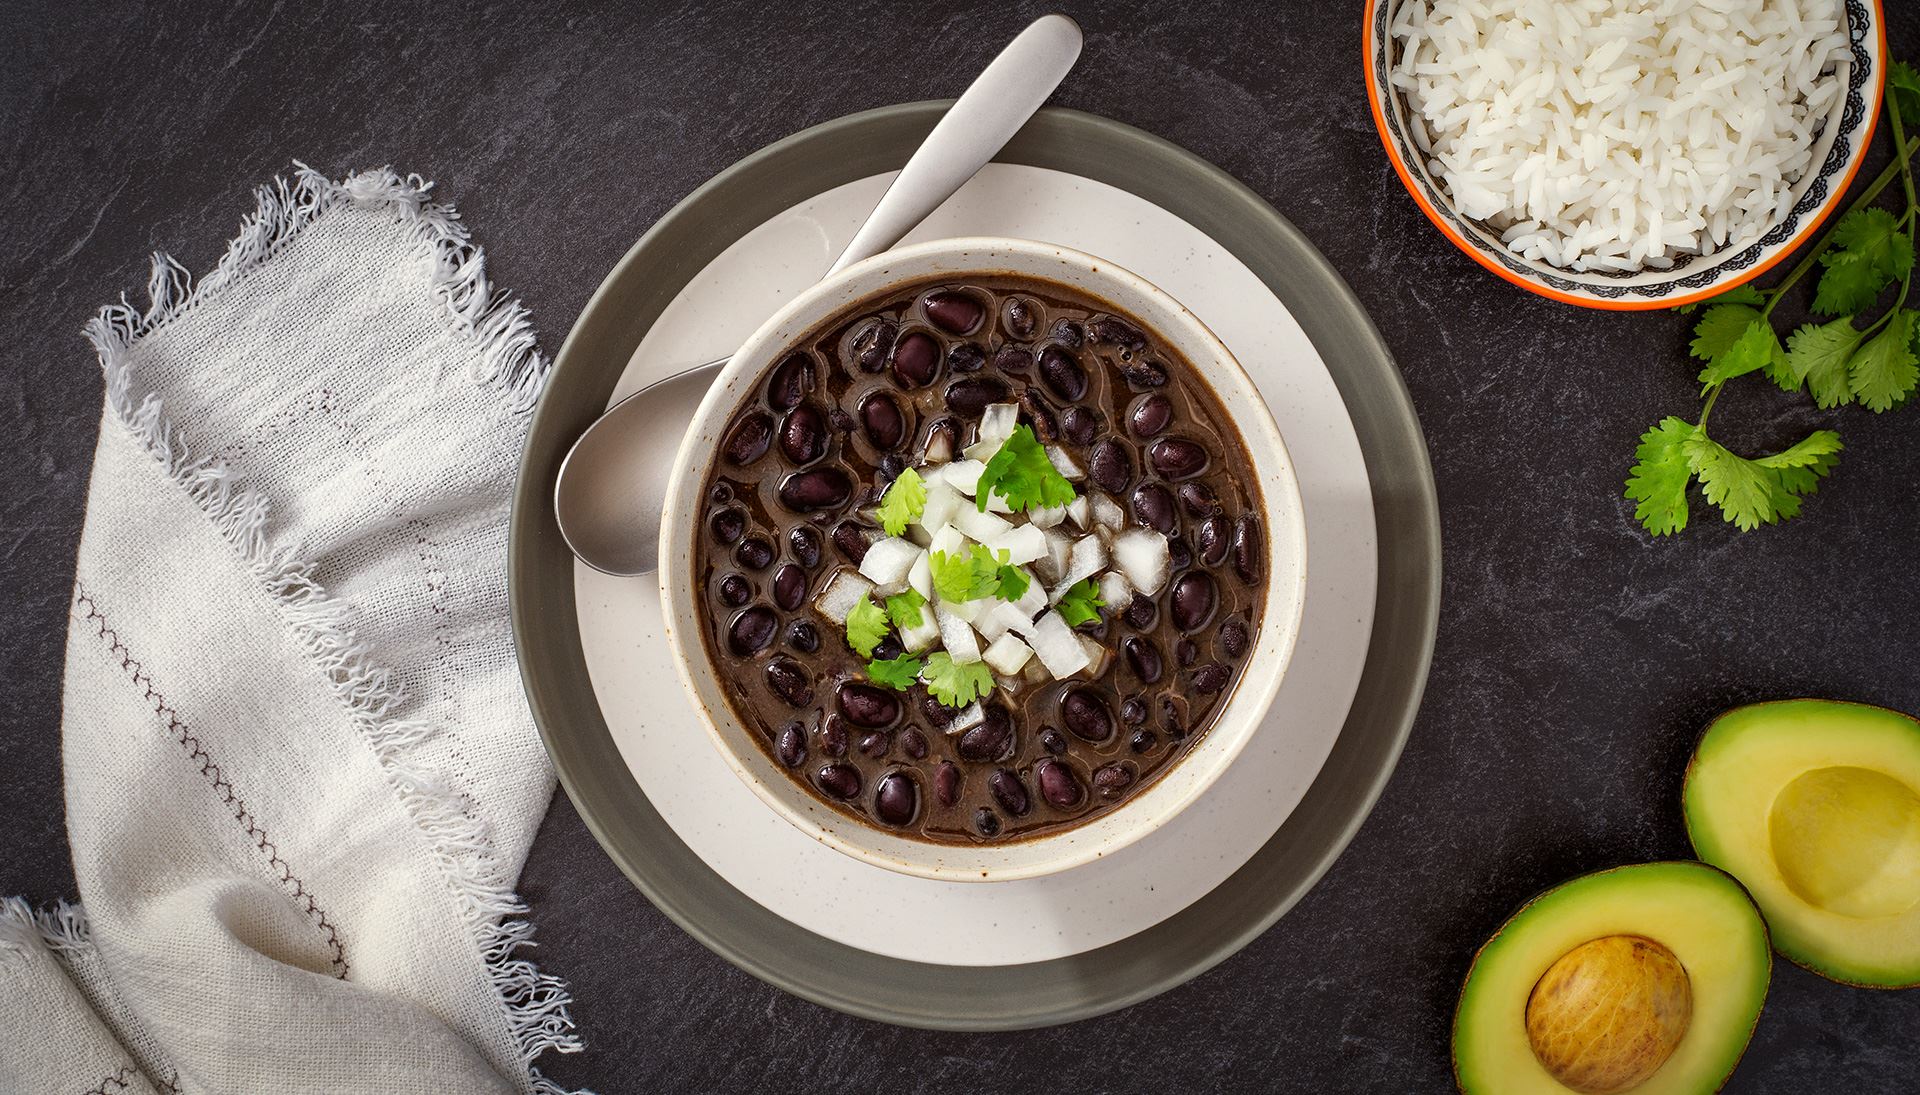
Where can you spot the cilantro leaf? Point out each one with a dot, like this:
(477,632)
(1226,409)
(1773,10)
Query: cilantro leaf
(1818,353)
(955,684)
(904,502)
(964,577)
(1718,328)
(1756,348)
(896,673)
(1022,473)
(1867,253)
(1801,467)
(1751,493)
(1883,370)
(905,609)
(1659,481)
(1013,582)
(1081,603)
(1903,84)
(866,626)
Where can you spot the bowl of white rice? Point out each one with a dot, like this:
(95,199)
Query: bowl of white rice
(1626,153)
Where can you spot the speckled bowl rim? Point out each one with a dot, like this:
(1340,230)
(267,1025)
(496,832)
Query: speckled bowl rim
(921,994)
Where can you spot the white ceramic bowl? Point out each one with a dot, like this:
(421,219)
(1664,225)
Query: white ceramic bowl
(1277,492)
(1837,154)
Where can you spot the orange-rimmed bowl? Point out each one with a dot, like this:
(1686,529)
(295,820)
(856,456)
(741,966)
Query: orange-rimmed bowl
(1839,150)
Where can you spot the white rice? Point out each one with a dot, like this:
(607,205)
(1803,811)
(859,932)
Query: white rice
(1619,134)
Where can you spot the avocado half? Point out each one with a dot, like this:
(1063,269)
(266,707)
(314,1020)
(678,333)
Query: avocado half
(1691,925)
(1815,806)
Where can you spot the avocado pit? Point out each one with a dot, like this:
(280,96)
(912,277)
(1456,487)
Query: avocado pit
(1847,839)
(1608,1013)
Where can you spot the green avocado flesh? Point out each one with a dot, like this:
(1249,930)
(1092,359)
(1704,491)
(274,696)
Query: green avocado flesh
(1687,912)
(1815,806)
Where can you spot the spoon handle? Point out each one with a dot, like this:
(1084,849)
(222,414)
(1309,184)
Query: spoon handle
(975,128)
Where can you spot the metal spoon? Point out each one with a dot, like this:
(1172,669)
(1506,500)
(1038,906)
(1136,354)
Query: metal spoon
(611,486)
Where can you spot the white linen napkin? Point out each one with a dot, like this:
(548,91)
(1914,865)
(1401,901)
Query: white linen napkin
(300,775)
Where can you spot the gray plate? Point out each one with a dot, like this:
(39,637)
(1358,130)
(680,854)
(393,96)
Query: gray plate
(960,997)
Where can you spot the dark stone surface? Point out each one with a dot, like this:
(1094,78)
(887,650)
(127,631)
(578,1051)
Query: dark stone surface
(1577,657)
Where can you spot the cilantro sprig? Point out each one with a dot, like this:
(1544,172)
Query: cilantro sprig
(906,609)
(1867,355)
(1023,474)
(1081,603)
(904,502)
(866,626)
(896,673)
(975,574)
(955,684)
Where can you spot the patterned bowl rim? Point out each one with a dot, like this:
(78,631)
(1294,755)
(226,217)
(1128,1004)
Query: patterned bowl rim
(1868,43)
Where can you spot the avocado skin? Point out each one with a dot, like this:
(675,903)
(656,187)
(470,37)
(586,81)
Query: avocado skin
(1732,721)
(1528,908)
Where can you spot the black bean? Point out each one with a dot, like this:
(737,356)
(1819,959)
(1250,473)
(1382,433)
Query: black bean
(1080,425)
(1247,548)
(789,586)
(833,737)
(1179,552)
(1133,711)
(1068,333)
(891,465)
(866,705)
(971,397)
(1211,678)
(1116,331)
(818,489)
(752,630)
(896,799)
(985,822)
(1213,539)
(916,361)
(803,436)
(747,441)
(1153,507)
(1040,415)
(1143,741)
(727,525)
(888,648)
(735,591)
(1145,374)
(1111,779)
(842,781)
(1111,466)
(790,682)
(1021,317)
(914,742)
(1013,359)
(1150,416)
(1053,741)
(954,311)
(721,494)
(1142,612)
(1009,792)
(792,380)
(1177,458)
(754,553)
(946,783)
(876,744)
(937,713)
(943,441)
(1233,638)
(992,739)
(804,542)
(1058,785)
(840,420)
(871,345)
(1086,714)
(792,745)
(851,541)
(886,426)
(1063,375)
(1144,658)
(967,357)
(1173,719)
(1199,500)
(803,637)
(1185,651)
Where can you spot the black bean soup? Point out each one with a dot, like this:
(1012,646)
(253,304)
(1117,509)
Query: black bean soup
(903,381)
